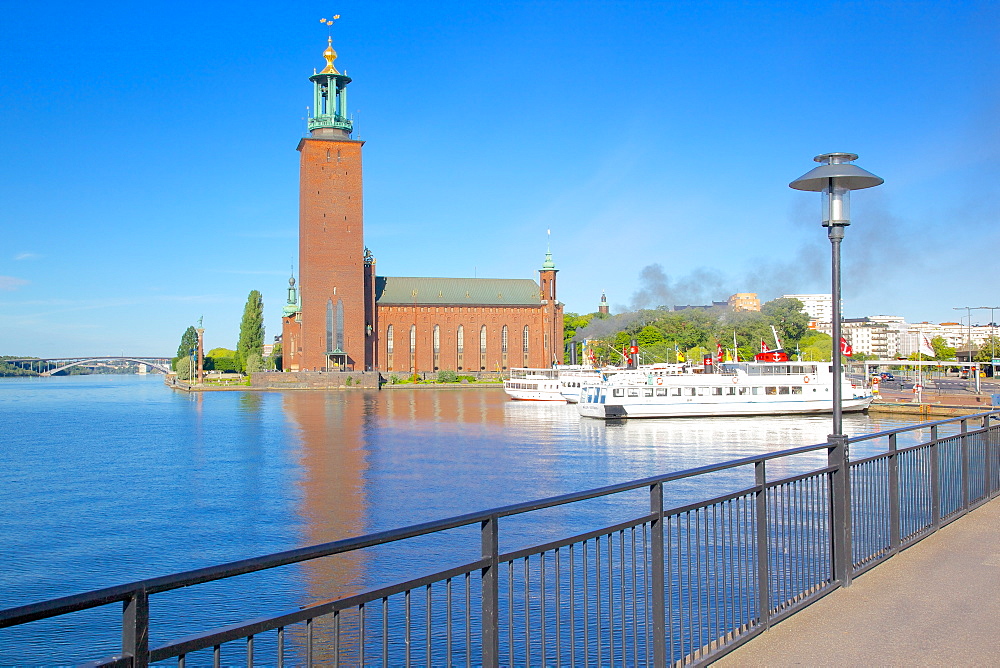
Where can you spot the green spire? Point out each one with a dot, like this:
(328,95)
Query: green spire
(292,306)
(548,264)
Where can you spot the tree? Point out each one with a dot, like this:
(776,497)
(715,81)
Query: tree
(276,357)
(189,341)
(183,368)
(942,351)
(787,317)
(251,331)
(988,350)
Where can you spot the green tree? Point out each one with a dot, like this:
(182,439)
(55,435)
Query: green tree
(276,357)
(184,368)
(788,318)
(189,341)
(251,340)
(254,363)
(942,351)
(988,350)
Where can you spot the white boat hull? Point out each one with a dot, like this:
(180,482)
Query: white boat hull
(717,409)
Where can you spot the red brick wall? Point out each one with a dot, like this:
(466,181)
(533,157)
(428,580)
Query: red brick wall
(291,343)
(539,319)
(331,247)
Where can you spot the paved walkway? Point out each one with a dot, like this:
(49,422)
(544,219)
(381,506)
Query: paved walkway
(934,604)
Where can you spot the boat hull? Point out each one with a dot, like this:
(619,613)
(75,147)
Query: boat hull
(717,409)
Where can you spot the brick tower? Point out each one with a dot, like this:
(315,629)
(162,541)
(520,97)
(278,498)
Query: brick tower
(552,312)
(336,318)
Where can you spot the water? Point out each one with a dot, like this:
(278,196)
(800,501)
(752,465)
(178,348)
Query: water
(110,479)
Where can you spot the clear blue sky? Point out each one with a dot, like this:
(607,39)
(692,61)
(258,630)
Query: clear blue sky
(149,172)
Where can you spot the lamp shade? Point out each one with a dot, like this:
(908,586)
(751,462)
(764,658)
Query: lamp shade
(846,175)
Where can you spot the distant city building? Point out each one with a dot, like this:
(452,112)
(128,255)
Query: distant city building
(744,301)
(603,306)
(819,308)
(870,337)
(703,307)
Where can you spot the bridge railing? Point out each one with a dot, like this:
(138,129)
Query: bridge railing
(694,564)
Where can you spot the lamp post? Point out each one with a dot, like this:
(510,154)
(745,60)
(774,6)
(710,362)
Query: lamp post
(836,177)
(968,341)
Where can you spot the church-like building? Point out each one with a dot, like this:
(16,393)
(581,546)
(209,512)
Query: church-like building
(342,316)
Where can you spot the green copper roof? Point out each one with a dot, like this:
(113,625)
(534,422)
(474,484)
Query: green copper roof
(457,291)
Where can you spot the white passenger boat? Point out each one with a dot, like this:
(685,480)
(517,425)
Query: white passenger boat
(527,384)
(572,378)
(738,388)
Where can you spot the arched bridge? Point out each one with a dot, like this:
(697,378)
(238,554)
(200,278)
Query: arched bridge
(47,366)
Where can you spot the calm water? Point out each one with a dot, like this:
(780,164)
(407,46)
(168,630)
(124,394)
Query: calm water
(110,479)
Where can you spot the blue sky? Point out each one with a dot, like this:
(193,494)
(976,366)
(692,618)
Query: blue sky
(149,172)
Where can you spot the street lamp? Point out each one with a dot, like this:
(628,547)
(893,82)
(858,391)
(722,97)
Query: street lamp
(836,177)
(968,341)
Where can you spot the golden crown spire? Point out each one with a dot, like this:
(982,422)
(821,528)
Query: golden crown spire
(329,54)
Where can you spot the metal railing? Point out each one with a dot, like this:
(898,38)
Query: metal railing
(678,585)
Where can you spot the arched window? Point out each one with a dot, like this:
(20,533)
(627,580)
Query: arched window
(413,347)
(482,348)
(503,340)
(524,345)
(388,347)
(461,347)
(437,347)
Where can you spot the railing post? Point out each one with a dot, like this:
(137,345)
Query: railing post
(491,592)
(935,481)
(964,441)
(840,506)
(135,628)
(991,457)
(894,528)
(658,583)
(763,553)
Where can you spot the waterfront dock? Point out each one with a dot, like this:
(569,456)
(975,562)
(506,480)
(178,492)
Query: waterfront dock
(933,604)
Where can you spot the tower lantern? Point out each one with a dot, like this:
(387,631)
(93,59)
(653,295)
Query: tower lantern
(329,118)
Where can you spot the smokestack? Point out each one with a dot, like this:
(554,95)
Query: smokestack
(633,356)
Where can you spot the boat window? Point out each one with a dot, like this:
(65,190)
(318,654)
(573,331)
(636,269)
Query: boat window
(797,389)
(689,391)
(675,391)
(716,391)
(602,398)
(744,390)
(731,391)
(782,390)
(618,392)
(647,391)
(633,391)
(770,389)
(661,391)
(757,390)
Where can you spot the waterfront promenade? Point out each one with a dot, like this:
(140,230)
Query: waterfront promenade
(934,604)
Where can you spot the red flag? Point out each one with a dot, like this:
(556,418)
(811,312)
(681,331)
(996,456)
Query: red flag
(721,356)
(845,349)
(763,347)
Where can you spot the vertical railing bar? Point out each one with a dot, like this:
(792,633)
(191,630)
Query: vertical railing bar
(964,440)
(611,601)
(572,608)
(544,621)
(763,575)
(181,661)
(361,633)
(468,620)
(217,656)
(250,651)
(673,528)
(135,627)
(586,610)
(894,501)
(309,642)
(635,595)
(659,590)
(647,606)
(935,480)
(407,637)
(428,602)
(557,558)
(385,631)
(510,611)
(490,549)
(597,595)
(447,622)
(336,637)
(527,613)
(281,647)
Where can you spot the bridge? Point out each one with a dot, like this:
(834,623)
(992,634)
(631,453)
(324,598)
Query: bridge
(48,366)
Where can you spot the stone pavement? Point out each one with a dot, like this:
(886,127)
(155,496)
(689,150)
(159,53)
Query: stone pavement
(934,604)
